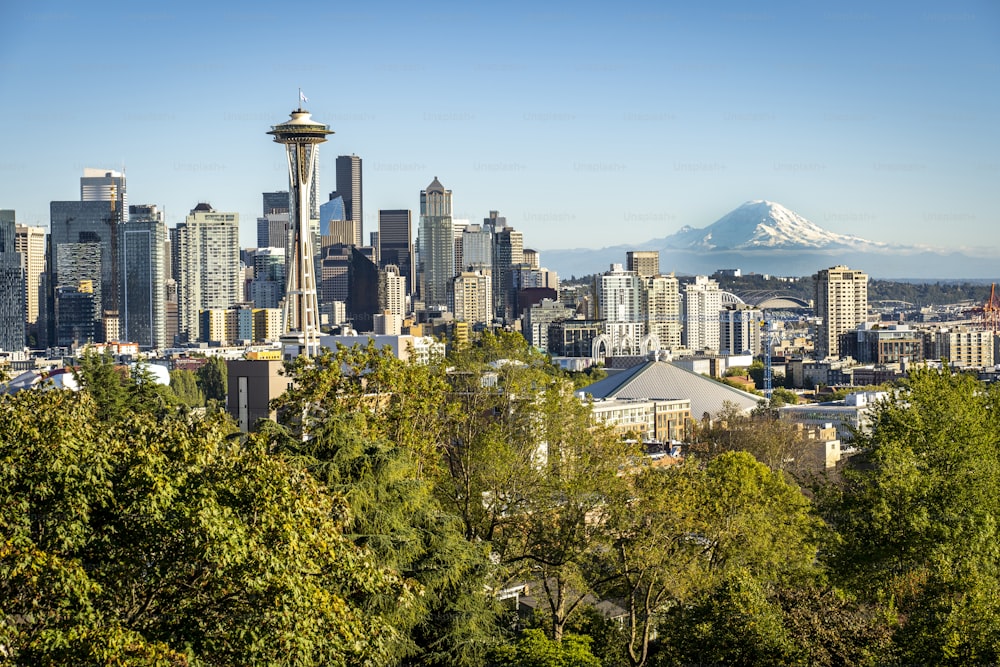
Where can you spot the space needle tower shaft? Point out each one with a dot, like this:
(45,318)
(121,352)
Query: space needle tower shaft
(301,136)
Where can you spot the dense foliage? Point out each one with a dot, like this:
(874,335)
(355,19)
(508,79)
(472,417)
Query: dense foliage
(382,515)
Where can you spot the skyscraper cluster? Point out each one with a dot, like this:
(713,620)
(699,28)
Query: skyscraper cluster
(109,270)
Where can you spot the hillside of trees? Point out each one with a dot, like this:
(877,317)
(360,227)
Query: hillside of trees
(379,519)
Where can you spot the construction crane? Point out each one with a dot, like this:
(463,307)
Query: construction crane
(987,315)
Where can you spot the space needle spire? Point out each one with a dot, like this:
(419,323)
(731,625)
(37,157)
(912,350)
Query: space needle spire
(301,136)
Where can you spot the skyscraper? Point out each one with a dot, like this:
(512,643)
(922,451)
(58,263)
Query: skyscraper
(395,238)
(267,288)
(702,305)
(331,211)
(301,136)
(12,318)
(105,185)
(473,299)
(143,269)
(31,245)
(841,304)
(349,188)
(392,291)
(208,266)
(477,250)
(437,246)
(83,242)
(508,252)
(362,290)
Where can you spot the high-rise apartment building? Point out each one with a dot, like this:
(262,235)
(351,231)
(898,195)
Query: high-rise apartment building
(619,303)
(702,305)
(644,262)
(142,278)
(392,291)
(31,245)
(208,266)
(473,298)
(661,305)
(740,329)
(964,347)
(437,246)
(395,238)
(841,298)
(349,188)
(12,313)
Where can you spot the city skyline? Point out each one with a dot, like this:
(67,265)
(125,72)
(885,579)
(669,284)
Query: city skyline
(873,121)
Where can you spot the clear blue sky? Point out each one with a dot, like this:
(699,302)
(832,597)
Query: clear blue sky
(585,124)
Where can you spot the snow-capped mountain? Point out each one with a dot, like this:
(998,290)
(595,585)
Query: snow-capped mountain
(765,225)
(765,237)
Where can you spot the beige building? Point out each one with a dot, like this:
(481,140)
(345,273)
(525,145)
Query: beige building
(644,262)
(662,307)
(841,304)
(964,347)
(267,324)
(473,295)
(30,242)
(646,419)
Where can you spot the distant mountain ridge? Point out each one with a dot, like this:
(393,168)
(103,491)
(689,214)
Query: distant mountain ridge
(761,236)
(763,224)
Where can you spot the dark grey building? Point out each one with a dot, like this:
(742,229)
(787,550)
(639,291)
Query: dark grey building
(275,202)
(349,188)
(84,245)
(395,238)
(142,283)
(12,309)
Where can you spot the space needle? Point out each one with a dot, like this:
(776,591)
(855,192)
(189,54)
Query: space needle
(301,136)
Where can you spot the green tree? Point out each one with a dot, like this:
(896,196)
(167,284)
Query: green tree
(184,384)
(691,530)
(119,391)
(534,649)
(99,375)
(369,427)
(166,541)
(213,380)
(917,517)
